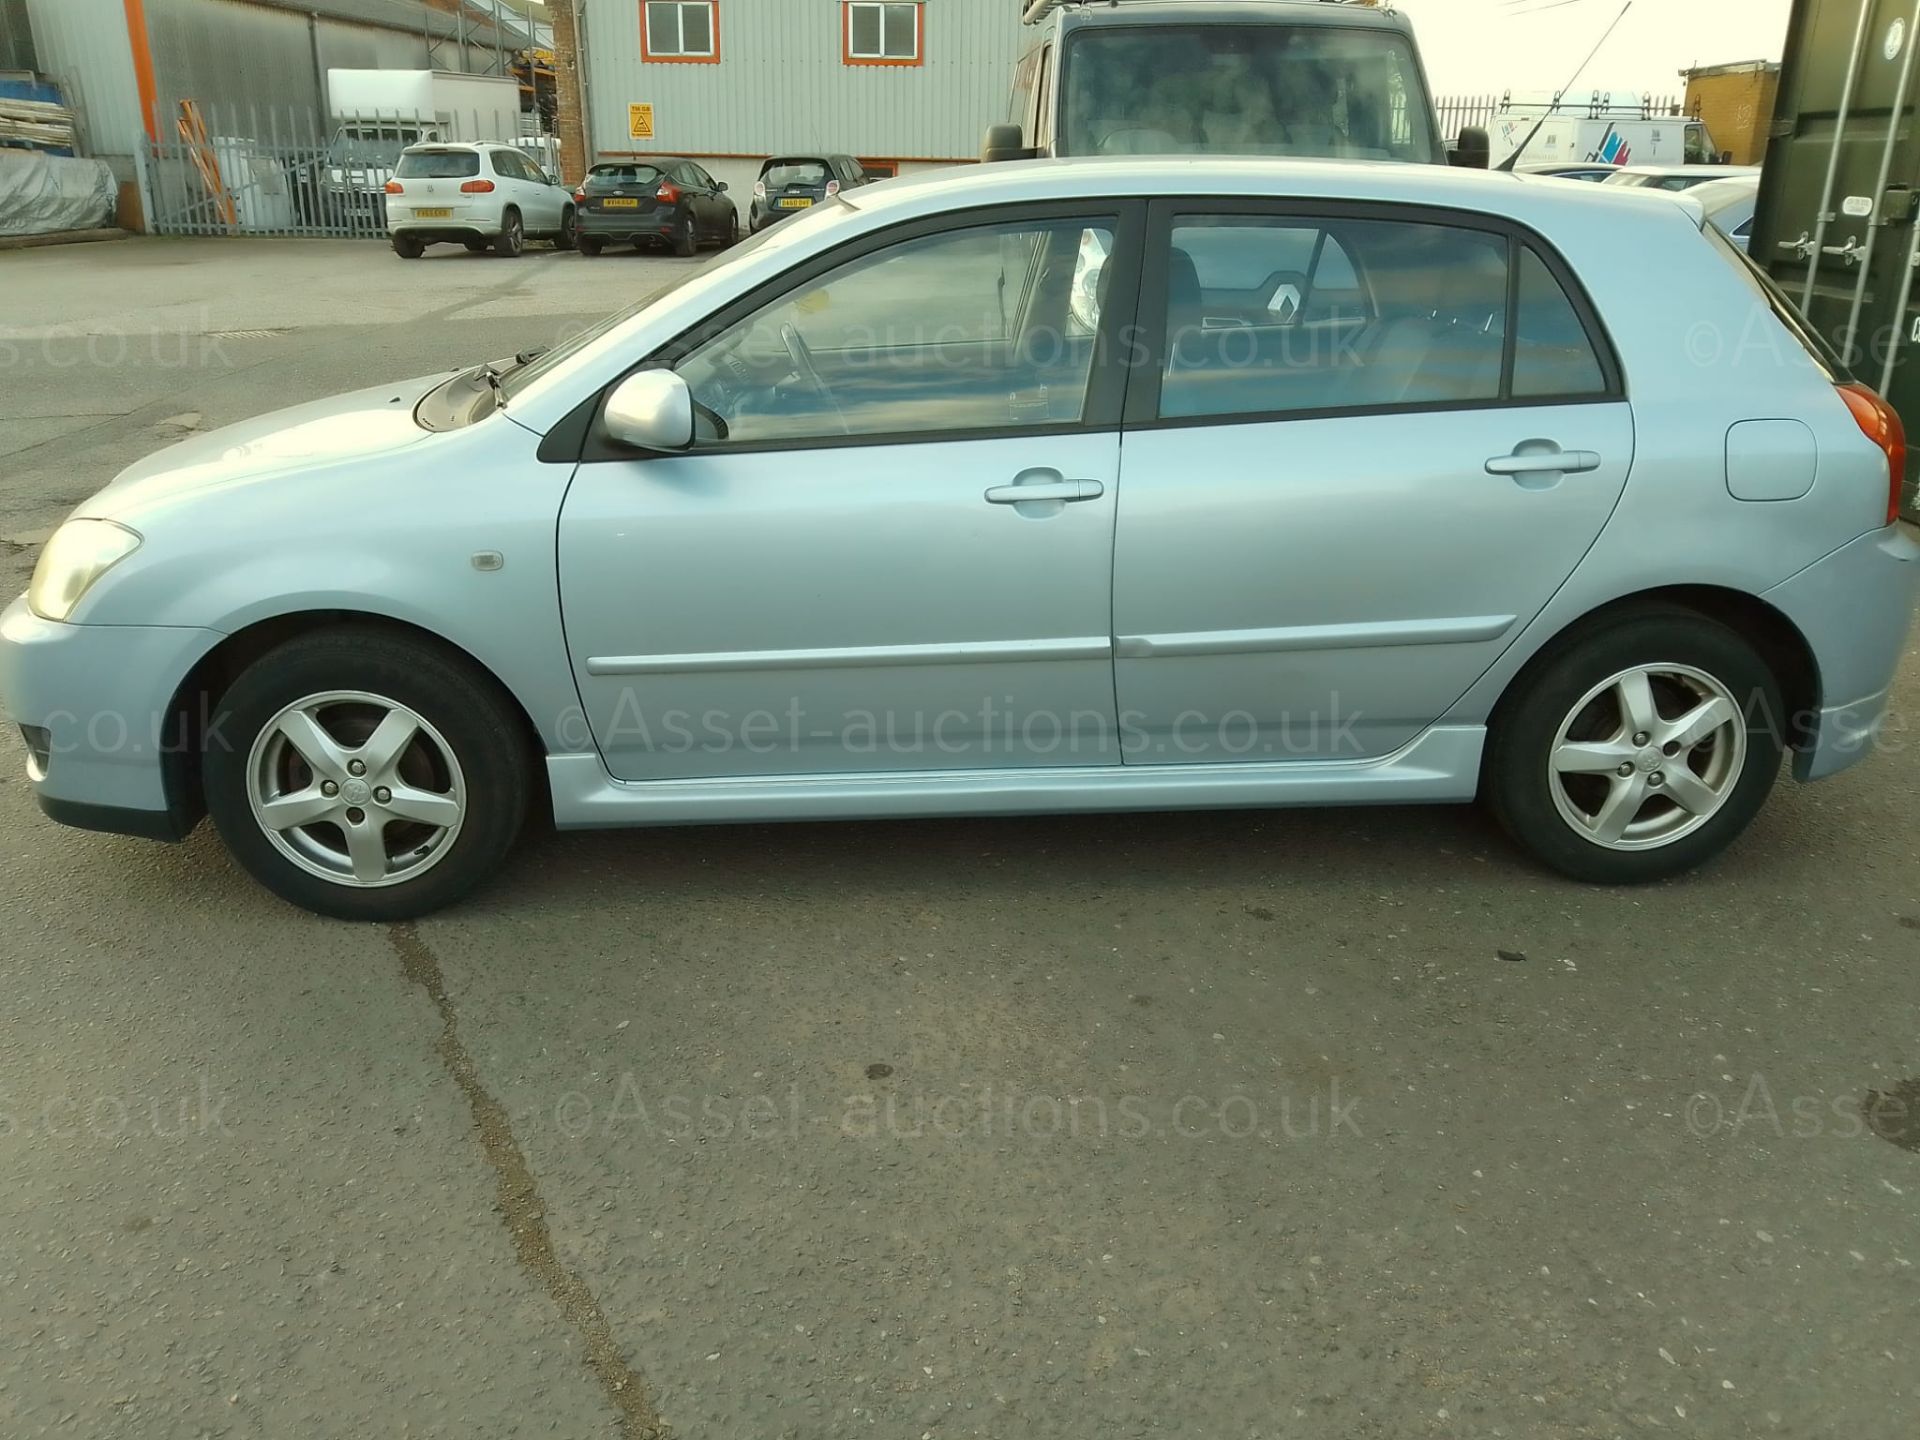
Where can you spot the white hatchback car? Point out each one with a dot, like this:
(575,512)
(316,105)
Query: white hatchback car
(481,196)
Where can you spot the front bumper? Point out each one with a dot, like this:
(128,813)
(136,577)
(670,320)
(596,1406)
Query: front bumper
(103,695)
(1855,609)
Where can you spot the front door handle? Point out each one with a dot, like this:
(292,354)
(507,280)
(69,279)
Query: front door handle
(1530,461)
(1044,485)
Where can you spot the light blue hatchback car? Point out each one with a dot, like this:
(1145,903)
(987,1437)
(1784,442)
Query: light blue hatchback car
(1065,486)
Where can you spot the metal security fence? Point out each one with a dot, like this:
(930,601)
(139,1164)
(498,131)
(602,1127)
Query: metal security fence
(272,170)
(1459,111)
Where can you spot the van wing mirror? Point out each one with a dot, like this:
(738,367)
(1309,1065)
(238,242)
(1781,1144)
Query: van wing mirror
(1006,142)
(650,410)
(1475,150)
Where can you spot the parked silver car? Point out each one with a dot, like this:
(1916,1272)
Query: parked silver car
(1012,491)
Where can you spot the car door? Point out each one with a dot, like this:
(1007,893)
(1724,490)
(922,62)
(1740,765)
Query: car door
(889,547)
(1370,446)
(700,197)
(543,198)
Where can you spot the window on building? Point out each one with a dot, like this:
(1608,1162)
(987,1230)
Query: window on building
(882,32)
(686,30)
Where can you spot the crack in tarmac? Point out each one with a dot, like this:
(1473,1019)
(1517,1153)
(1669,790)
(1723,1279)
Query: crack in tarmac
(522,1210)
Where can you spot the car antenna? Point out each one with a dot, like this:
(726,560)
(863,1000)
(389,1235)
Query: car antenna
(1514,159)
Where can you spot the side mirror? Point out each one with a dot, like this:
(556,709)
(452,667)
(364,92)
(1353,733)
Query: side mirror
(650,410)
(1474,152)
(1005,142)
(720,186)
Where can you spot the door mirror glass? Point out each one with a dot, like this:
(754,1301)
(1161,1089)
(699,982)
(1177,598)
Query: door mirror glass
(720,186)
(651,410)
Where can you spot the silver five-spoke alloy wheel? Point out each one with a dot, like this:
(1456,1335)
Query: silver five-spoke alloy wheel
(1647,756)
(356,788)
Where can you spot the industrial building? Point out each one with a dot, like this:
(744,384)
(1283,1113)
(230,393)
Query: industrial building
(899,84)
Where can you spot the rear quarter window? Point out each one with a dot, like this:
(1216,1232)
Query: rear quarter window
(437,165)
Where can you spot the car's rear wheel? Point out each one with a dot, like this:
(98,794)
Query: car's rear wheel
(589,245)
(408,248)
(565,239)
(513,235)
(685,239)
(367,775)
(1639,750)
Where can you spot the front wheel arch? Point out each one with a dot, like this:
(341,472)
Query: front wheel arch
(199,691)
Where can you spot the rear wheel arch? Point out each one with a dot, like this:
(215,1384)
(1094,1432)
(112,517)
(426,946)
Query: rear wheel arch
(194,700)
(1771,633)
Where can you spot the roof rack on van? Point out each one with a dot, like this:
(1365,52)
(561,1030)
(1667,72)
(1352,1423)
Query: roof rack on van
(1038,10)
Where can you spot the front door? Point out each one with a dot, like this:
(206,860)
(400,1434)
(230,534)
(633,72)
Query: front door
(890,546)
(1375,448)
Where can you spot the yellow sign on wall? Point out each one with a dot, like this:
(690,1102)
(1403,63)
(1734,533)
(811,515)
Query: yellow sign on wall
(640,122)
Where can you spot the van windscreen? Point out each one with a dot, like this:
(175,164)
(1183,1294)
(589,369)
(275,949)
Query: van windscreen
(1320,90)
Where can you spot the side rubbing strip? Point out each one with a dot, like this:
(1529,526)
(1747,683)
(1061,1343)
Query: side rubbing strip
(965,652)
(1462,631)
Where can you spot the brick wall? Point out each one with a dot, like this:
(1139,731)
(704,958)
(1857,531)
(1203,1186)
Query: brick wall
(1736,101)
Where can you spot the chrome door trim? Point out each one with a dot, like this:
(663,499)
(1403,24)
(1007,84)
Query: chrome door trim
(855,657)
(1440,766)
(1463,630)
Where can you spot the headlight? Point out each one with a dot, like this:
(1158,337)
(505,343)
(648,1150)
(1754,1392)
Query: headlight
(80,552)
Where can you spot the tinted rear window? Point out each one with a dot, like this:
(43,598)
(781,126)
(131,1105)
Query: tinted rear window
(610,177)
(796,172)
(438,165)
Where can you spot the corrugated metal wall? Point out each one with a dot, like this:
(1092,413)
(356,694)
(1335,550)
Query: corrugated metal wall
(781,83)
(83,45)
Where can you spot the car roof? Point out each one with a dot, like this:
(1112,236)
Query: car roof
(1230,12)
(657,162)
(1118,177)
(1718,195)
(1720,172)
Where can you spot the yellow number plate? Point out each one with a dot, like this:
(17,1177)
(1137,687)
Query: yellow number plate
(795,204)
(420,214)
(620,204)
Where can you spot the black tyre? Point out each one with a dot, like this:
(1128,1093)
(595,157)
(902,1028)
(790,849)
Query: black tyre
(367,775)
(565,239)
(512,238)
(407,248)
(733,227)
(1640,749)
(589,245)
(686,239)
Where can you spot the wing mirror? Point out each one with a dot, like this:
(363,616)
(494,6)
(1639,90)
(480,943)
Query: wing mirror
(1006,142)
(650,410)
(1475,150)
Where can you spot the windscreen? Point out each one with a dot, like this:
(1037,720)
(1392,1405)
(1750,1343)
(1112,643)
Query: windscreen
(377,148)
(1245,90)
(438,165)
(783,173)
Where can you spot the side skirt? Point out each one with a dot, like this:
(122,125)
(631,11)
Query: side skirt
(1442,765)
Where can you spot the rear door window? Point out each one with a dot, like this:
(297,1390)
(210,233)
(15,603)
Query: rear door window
(1278,315)
(437,165)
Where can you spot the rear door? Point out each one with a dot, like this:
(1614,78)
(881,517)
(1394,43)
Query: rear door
(1368,447)
(1836,220)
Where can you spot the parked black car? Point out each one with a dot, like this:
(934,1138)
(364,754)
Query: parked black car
(799,182)
(657,201)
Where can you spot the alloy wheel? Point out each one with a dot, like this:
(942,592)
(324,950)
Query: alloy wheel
(356,788)
(1648,755)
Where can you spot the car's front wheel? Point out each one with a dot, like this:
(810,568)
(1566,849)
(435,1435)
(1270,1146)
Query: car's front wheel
(366,775)
(564,240)
(1641,749)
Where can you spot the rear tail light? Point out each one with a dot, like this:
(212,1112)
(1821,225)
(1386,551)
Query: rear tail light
(580,196)
(668,193)
(1880,423)
(394,187)
(833,188)
(759,189)
(477,187)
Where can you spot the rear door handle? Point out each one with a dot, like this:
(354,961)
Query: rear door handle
(1544,462)
(1055,488)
